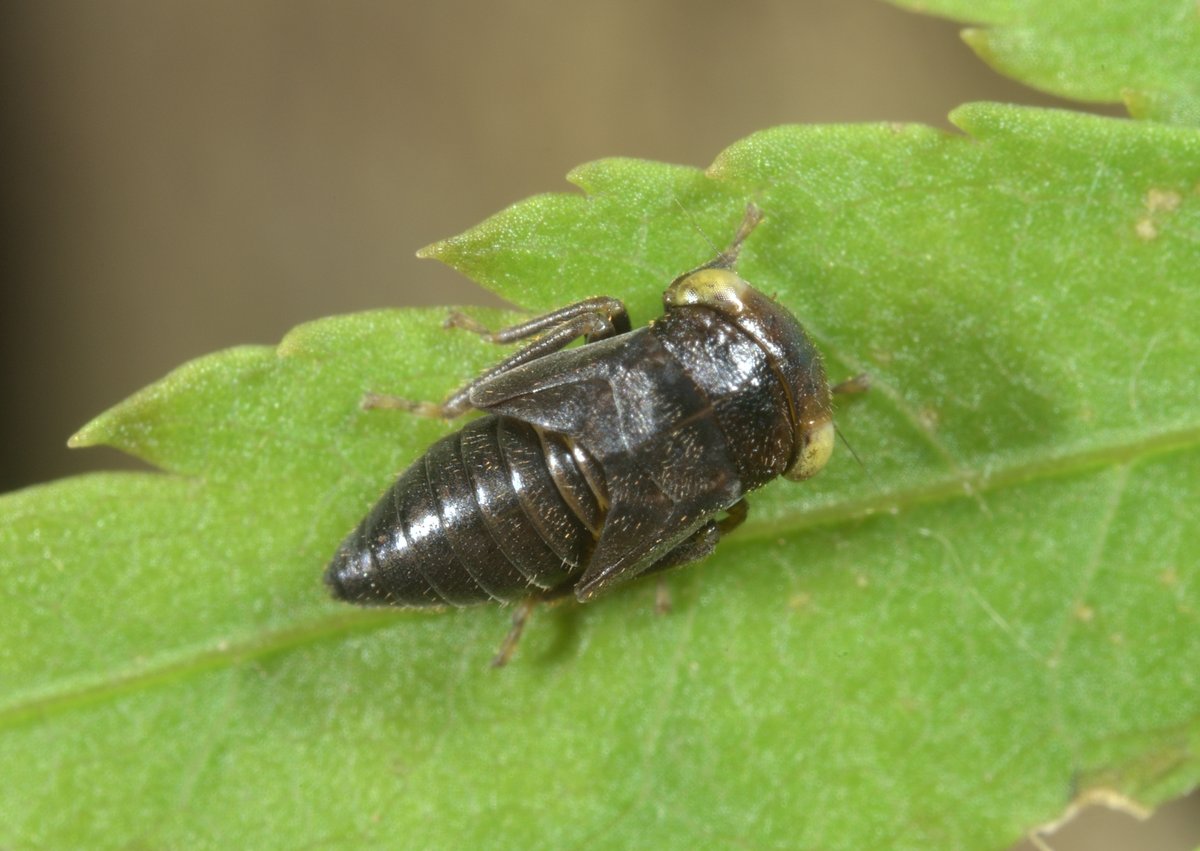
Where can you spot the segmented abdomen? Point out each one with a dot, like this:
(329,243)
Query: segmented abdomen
(477,518)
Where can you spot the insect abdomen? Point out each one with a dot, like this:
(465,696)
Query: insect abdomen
(478,518)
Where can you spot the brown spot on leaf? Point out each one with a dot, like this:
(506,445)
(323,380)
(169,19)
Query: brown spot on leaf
(1157,203)
(1162,199)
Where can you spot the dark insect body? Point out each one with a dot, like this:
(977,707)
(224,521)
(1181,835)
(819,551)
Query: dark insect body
(622,457)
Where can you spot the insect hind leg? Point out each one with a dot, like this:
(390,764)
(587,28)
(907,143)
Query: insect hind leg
(592,319)
(520,617)
(614,319)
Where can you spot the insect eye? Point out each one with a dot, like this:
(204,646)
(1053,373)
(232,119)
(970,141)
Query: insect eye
(720,289)
(816,446)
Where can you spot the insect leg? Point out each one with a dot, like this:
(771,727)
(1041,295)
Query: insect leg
(519,618)
(699,545)
(662,597)
(593,319)
(703,541)
(735,516)
(860,383)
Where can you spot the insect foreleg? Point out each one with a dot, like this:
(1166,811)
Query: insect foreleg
(593,319)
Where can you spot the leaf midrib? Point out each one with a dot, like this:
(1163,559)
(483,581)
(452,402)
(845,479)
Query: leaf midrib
(226,654)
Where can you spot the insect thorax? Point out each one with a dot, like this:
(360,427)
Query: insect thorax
(734,373)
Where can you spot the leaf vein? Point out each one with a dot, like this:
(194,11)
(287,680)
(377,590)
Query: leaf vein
(26,709)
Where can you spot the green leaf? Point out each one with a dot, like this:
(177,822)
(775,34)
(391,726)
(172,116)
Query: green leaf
(997,616)
(1145,53)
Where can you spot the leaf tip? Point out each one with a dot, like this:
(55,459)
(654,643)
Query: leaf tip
(83,438)
(432,251)
(98,431)
(589,177)
(108,428)
(454,251)
(974,37)
(979,40)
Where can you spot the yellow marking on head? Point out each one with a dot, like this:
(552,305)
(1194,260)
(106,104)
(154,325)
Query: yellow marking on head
(817,450)
(717,288)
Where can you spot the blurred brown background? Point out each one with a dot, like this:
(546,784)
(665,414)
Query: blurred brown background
(179,177)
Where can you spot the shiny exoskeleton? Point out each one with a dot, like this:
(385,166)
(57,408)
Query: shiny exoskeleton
(625,456)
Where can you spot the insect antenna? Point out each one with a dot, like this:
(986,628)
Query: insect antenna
(727,258)
(716,251)
(749,222)
(853,454)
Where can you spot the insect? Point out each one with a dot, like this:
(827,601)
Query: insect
(623,457)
